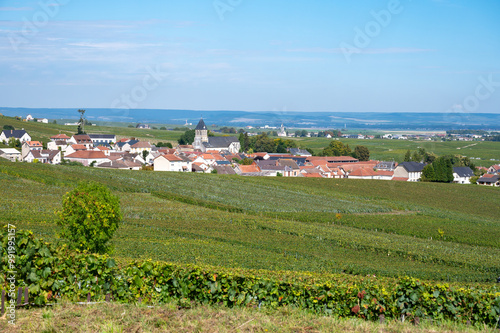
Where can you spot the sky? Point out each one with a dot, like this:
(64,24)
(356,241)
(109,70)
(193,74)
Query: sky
(335,56)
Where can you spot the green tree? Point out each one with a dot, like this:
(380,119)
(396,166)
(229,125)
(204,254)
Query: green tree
(14,143)
(244,141)
(8,127)
(246,161)
(362,153)
(187,138)
(145,154)
(407,156)
(336,148)
(263,143)
(428,174)
(81,123)
(89,216)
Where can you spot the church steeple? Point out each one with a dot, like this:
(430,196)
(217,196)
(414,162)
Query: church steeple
(201,135)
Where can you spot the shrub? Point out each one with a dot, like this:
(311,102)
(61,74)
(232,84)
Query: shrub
(89,216)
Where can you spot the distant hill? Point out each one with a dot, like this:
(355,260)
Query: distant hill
(360,120)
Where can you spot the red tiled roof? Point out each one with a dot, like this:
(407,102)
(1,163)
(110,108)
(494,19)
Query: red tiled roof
(78,147)
(171,157)
(249,168)
(312,175)
(403,179)
(141,144)
(363,172)
(34,143)
(60,136)
(87,154)
(102,148)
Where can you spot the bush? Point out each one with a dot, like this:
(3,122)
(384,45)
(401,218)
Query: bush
(89,216)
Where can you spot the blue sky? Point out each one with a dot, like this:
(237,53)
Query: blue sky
(336,56)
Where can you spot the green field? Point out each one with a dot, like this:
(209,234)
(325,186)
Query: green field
(446,232)
(488,152)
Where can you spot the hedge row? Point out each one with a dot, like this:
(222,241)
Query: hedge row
(54,272)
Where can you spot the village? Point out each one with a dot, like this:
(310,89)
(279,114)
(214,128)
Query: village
(215,154)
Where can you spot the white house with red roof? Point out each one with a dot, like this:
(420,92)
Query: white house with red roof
(171,162)
(87,157)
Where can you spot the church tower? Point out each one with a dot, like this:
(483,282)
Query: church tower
(200,135)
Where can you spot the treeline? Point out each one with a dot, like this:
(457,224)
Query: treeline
(263,143)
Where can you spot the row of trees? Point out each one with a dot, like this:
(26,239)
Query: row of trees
(263,143)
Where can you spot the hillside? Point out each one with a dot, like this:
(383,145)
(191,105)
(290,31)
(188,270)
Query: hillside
(432,231)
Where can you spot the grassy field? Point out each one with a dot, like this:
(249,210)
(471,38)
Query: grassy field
(111,317)
(488,152)
(316,225)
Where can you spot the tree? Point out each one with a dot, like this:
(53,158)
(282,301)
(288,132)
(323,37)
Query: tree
(163,128)
(246,161)
(244,141)
(428,174)
(407,156)
(336,148)
(81,123)
(263,143)
(14,143)
(145,154)
(8,127)
(89,216)
(187,138)
(362,153)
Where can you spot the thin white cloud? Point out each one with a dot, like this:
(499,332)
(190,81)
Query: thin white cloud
(389,50)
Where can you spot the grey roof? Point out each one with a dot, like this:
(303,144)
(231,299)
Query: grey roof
(289,163)
(386,166)
(102,136)
(223,162)
(298,151)
(220,141)
(224,170)
(488,179)
(463,171)
(201,125)
(14,133)
(412,166)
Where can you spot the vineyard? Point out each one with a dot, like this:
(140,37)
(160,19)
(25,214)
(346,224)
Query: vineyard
(365,235)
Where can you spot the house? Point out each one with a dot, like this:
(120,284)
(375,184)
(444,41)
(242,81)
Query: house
(44,156)
(495,169)
(43,120)
(224,170)
(294,169)
(247,169)
(462,175)
(102,139)
(11,154)
(143,126)
(59,137)
(411,171)
(87,157)
(20,135)
(125,145)
(388,166)
(369,173)
(170,162)
(81,139)
(273,167)
(28,146)
(139,147)
(282,132)
(489,180)
(121,164)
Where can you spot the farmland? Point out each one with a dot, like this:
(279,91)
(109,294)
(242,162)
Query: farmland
(309,225)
